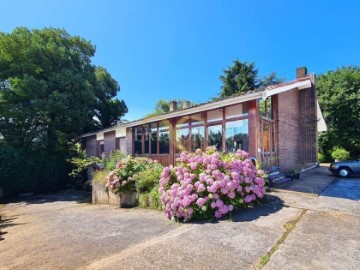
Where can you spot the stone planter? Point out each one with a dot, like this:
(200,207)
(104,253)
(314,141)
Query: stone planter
(99,195)
(128,199)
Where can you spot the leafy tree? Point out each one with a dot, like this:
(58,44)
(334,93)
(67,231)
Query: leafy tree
(242,77)
(49,91)
(270,79)
(339,98)
(107,108)
(163,106)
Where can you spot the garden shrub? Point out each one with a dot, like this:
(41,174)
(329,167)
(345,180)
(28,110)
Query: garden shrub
(124,176)
(340,153)
(210,184)
(137,174)
(27,170)
(114,157)
(100,176)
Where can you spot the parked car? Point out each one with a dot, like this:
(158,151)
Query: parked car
(345,168)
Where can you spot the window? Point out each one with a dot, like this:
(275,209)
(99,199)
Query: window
(146,139)
(183,122)
(215,136)
(164,138)
(182,139)
(138,140)
(153,128)
(238,110)
(265,108)
(237,135)
(266,137)
(197,138)
(198,119)
(214,116)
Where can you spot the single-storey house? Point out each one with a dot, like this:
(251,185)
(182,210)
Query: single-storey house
(277,125)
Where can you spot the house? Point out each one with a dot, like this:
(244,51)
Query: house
(277,125)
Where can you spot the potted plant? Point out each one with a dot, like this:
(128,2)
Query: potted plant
(340,154)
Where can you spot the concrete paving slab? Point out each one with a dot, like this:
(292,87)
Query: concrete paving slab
(63,232)
(319,203)
(321,240)
(313,181)
(221,245)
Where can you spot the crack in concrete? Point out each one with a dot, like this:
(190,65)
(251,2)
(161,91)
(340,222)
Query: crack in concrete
(289,227)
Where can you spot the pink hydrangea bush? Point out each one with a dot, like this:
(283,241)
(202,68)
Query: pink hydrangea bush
(210,184)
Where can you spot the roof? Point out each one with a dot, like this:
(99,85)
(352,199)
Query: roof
(262,93)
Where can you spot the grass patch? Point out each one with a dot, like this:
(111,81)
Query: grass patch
(289,226)
(100,177)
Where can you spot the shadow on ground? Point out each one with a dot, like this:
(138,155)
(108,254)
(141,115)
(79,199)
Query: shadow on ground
(64,196)
(271,204)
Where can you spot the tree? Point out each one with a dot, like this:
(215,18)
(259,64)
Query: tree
(107,108)
(163,106)
(339,98)
(270,79)
(49,91)
(242,77)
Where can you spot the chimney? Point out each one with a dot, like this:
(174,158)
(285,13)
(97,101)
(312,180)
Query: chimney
(301,72)
(172,106)
(186,104)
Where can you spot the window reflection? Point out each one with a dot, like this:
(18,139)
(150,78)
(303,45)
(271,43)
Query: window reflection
(237,135)
(215,136)
(197,138)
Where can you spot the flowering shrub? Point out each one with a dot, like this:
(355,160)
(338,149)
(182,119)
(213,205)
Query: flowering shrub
(210,184)
(123,177)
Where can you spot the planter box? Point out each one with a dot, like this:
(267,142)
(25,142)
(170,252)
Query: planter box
(99,196)
(128,199)
(122,199)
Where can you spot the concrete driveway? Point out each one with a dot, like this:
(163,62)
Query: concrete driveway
(293,230)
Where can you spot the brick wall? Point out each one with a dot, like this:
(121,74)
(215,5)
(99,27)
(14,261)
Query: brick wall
(308,126)
(90,146)
(288,126)
(109,142)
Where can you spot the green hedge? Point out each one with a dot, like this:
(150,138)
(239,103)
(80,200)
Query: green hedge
(31,171)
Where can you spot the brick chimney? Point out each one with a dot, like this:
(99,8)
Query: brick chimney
(172,106)
(301,72)
(186,104)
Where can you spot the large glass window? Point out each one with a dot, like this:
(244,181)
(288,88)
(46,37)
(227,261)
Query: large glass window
(147,139)
(164,138)
(182,139)
(215,136)
(237,135)
(197,119)
(197,137)
(138,140)
(214,116)
(238,110)
(153,128)
(183,121)
(265,108)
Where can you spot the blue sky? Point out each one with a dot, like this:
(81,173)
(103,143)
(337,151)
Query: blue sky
(178,49)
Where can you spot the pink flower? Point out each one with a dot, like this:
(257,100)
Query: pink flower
(231,195)
(200,202)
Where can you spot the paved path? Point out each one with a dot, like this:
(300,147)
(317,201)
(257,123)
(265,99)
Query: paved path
(300,230)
